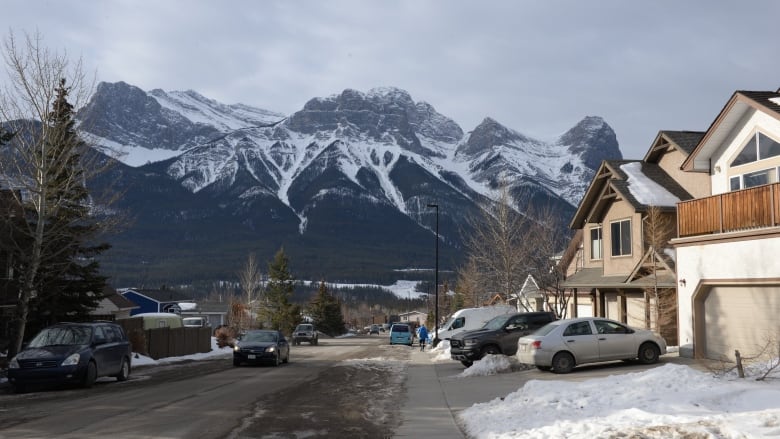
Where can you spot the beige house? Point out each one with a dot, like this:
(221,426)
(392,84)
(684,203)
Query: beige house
(613,267)
(729,237)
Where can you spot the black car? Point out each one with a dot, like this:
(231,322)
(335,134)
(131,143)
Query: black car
(72,353)
(261,346)
(498,336)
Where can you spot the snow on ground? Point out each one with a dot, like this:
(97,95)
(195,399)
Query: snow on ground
(403,289)
(216,351)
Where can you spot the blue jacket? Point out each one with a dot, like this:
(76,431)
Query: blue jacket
(422,332)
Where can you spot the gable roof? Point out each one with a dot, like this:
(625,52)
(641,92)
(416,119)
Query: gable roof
(740,103)
(161,295)
(683,141)
(611,182)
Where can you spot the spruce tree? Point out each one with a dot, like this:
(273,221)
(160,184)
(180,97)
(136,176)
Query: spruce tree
(280,312)
(325,311)
(69,283)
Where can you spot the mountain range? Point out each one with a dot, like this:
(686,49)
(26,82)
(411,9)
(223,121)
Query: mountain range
(343,184)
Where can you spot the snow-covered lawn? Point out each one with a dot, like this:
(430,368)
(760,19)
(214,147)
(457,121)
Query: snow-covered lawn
(670,401)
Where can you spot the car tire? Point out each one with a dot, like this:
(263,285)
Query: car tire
(236,362)
(277,360)
(544,368)
(489,350)
(124,370)
(90,375)
(466,363)
(563,362)
(648,353)
(287,358)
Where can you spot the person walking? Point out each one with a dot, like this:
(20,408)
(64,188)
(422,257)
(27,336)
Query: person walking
(422,332)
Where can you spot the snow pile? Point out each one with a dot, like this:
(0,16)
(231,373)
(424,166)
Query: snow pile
(216,351)
(489,365)
(667,401)
(441,352)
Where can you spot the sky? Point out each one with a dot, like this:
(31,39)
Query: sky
(538,67)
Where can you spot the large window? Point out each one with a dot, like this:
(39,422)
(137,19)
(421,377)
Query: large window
(595,243)
(758,147)
(621,237)
(753,179)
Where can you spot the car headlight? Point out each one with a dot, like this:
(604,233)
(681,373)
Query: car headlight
(270,349)
(72,360)
(470,341)
(13,364)
(236,348)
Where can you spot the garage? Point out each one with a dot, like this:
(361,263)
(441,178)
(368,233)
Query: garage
(740,318)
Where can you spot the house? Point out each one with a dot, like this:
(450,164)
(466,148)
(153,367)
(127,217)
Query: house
(415,317)
(113,306)
(164,300)
(624,276)
(530,298)
(729,238)
(215,311)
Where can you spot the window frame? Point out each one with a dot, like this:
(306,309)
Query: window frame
(625,250)
(600,256)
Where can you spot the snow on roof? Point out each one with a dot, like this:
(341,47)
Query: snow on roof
(645,190)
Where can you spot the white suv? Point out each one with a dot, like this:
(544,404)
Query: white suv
(305,332)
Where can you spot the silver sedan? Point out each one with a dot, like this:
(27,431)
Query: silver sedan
(563,344)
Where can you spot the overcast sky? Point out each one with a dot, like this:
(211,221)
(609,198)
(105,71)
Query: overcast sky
(537,67)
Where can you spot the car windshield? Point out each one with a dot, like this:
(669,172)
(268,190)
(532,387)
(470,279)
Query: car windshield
(304,328)
(259,336)
(62,335)
(497,322)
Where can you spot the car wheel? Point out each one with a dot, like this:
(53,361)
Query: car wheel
(287,357)
(648,353)
(466,363)
(124,370)
(562,362)
(489,350)
(236,362)
(277,360)
(90,376)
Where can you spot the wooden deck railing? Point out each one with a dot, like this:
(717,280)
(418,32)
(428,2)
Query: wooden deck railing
(732,211)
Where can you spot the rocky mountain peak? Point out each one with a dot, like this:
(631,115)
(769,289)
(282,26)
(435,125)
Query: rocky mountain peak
(593,140)
(487,135)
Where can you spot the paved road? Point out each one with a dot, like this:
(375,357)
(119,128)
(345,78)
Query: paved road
(204,399)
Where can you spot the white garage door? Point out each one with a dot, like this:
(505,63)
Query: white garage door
(584,310)
(743,318)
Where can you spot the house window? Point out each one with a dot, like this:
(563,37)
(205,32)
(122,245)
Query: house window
(621,237)
(758,147)
(735,183)
(595,243)
(753,179)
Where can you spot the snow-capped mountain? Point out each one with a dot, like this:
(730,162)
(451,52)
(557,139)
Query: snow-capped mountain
(355,167)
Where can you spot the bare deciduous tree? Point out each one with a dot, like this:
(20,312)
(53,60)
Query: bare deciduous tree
(658,229)
(45,164)
(544,240)
(250,280)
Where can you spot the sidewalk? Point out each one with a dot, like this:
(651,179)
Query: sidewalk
(435,394)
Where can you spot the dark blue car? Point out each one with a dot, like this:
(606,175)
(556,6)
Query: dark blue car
(72,353)
(261,346)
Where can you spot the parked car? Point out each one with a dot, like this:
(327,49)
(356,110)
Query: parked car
(72,353)
(305,332)
(373,330)
(498,336)
(261,346)
(469,319)
(563,344)
(401,333)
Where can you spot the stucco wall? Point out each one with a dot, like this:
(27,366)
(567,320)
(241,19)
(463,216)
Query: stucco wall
(696,183)
(751,259)
(614,265)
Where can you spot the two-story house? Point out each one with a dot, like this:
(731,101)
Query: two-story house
(728,274)
(624,277)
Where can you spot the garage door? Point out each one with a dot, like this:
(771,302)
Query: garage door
(743,318)
(584,310)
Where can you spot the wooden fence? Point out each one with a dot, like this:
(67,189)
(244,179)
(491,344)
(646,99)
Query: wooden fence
(167,342)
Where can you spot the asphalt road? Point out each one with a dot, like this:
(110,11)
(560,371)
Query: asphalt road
(213,399)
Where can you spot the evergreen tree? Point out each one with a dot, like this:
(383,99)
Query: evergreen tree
(69,284)
(325,310)
(280,312)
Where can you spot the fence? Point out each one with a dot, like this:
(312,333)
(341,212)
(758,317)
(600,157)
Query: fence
(167,342)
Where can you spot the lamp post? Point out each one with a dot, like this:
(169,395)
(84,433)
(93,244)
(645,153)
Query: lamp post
(436,280)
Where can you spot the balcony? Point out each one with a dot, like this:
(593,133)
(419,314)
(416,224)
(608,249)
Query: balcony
(754,208)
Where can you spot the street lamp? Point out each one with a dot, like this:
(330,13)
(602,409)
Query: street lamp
(436,281)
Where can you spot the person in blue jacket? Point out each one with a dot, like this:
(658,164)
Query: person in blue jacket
(422,333)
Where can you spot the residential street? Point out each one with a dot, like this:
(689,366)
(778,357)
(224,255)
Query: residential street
(316,394)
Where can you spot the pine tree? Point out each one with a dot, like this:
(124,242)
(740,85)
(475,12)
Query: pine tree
(325,311)
(280,312)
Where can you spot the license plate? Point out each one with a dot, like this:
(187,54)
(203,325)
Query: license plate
(251,356)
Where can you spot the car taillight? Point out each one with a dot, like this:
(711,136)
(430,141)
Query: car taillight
(536,344)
